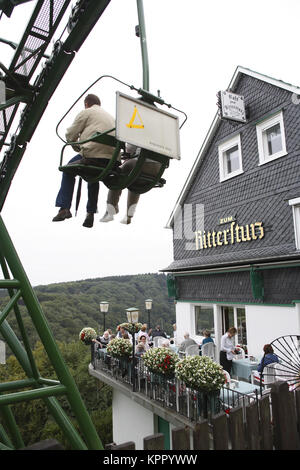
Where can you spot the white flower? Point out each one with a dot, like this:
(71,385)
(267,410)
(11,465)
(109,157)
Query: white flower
(200,373)
(119,347)
(87,334)
(160,360)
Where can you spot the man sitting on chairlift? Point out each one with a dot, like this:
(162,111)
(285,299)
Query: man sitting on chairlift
(90,120)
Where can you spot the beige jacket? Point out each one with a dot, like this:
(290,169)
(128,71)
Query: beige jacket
(86,123)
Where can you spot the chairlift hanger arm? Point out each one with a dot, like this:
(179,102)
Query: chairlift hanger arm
(148,97)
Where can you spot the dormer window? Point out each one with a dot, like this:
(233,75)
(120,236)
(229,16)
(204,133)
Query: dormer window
(230,158)
(271,139)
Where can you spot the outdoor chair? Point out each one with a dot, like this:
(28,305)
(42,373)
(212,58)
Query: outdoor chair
(157,340)
(192,350)
(209,349)
(268,375)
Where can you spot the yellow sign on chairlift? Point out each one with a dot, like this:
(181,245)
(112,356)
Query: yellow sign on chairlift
(147,126)
(131,122)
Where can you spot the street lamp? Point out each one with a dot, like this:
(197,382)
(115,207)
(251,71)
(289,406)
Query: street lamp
(104,309)
(148,303)
(133,318)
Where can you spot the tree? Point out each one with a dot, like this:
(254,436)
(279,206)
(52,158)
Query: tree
(35,422)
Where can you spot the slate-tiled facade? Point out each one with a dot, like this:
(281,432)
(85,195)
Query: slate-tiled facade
(260,193)
(281,287)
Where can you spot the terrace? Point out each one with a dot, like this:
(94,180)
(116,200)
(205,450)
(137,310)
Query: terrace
(169,397)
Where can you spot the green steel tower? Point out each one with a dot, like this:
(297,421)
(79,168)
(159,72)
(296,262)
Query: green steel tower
(28,55)
(18,78)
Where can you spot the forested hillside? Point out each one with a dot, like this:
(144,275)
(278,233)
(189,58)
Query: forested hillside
(71,306)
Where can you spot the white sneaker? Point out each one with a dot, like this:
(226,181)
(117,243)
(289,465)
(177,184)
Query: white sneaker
(126,220)
(107,217)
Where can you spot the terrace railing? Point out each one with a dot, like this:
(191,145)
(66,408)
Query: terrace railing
(169,392)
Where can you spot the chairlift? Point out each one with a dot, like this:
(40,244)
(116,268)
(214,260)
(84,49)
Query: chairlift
(136,180)
(110,175)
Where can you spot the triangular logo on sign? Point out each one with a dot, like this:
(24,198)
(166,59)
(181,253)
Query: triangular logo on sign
(135,115)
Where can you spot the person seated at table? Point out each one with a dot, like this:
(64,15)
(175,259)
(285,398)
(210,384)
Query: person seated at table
(102,341)
(174,337)
(186,342)
(140,350)
(268,358)
(165,344)
(109,332)
(227,350)
(158,332)
(144,342)
(143,332)
(123,333)
(207,339)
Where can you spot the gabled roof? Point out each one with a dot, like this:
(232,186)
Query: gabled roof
(215,125)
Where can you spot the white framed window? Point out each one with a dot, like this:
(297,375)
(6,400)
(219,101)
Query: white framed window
(295,203)
(204,319)
(271,139)
(230,158)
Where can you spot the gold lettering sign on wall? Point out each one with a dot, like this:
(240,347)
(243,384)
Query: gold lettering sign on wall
(234,234)
(226,220)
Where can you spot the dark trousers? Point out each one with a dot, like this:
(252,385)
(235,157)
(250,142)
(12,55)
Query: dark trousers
(225,363)
(65,194)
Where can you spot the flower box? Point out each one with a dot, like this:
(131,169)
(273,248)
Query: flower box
(200,373)
(87,335)
(160,361)
(131,327)
(119,347)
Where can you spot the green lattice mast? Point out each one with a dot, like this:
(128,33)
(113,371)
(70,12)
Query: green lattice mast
(17,78)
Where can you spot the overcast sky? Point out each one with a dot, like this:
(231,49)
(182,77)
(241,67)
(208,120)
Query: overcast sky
(194,48)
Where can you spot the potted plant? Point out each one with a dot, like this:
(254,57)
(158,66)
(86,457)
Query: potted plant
(87,335)
(161,362)
(119,347)
(131,327)
(206,377)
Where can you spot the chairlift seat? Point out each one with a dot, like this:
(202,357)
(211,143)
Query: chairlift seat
(135,180)
(93,173)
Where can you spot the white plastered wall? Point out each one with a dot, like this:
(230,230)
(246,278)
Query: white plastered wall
(266,323)
(131,422)
(185,320)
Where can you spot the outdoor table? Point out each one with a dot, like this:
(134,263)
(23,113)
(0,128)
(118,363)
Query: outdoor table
(242,368)
(231,396)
